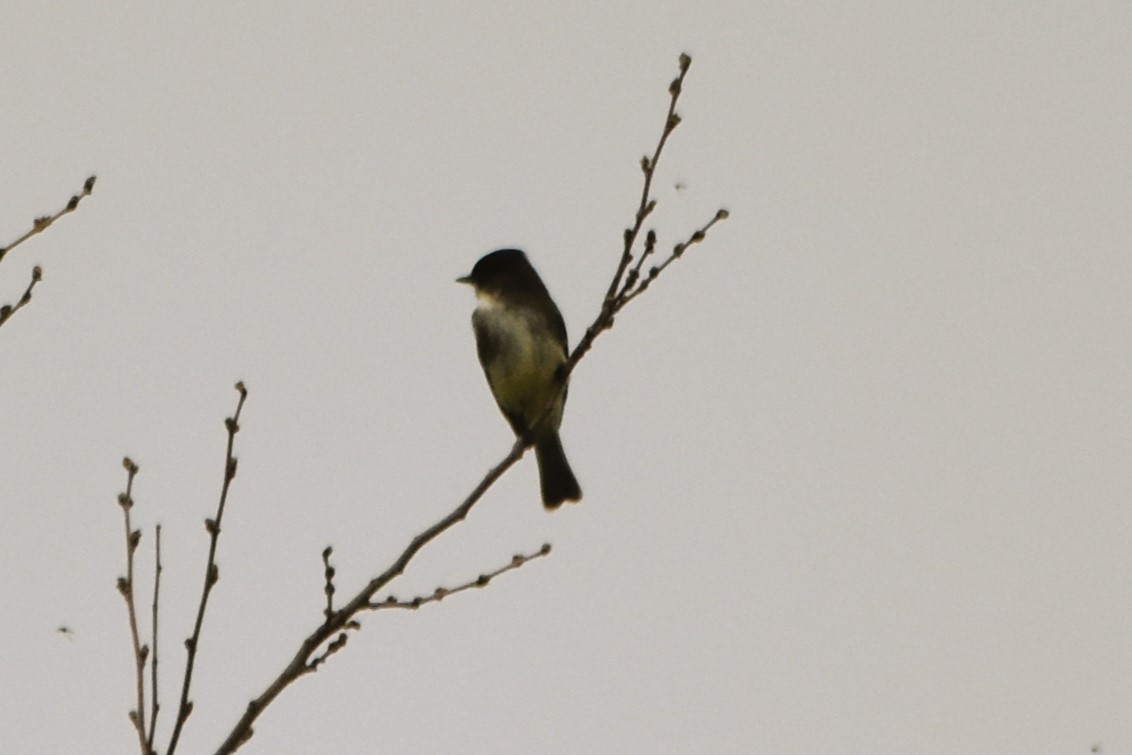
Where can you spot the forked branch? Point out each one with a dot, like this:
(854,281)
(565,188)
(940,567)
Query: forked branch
(627,283)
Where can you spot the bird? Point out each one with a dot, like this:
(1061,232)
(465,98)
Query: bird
(522,347)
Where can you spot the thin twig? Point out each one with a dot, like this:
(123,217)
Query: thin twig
(41,224)
(211,572)
(481,581)
(328,572)
(7,310)
(126,588)
(155,704)
(635,273)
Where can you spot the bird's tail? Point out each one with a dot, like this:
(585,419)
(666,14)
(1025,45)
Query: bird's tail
(555,476)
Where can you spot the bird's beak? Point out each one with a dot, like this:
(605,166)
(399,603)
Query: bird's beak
(465,279)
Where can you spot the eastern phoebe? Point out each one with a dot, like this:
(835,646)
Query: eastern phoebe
(521,341)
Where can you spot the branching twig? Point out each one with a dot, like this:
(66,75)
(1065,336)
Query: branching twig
(624,286)
(211,572)
(40,225)
(634,286)
(437,595)
(648,167)
(620,292)
(126,587)
(343,618)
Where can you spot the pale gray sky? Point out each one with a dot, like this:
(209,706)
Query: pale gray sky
(857,471)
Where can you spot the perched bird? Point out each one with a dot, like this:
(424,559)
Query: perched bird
(521,341)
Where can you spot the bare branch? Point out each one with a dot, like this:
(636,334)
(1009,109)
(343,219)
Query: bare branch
(155,704)
(332,633)
(481,581)
(648,167)
(328,573)
(126,588)
(631,291)
(437,595)
(211,572)
(40,225)
(7,310)
(302,663)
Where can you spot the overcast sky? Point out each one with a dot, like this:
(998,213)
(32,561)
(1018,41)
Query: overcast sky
(857,470)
